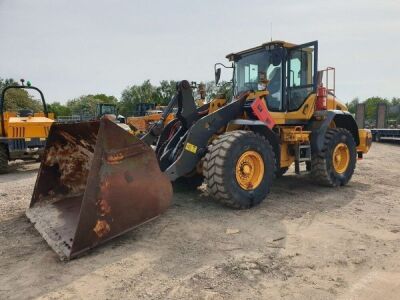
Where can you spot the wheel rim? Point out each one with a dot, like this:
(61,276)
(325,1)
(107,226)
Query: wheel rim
(341,158)
(249,170)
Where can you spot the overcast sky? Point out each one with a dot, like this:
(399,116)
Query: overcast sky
(70,48)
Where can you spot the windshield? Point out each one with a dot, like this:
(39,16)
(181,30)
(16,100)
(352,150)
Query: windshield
(108,109)
(250,74)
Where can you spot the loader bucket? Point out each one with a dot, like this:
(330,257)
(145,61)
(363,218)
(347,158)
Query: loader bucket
(96,181)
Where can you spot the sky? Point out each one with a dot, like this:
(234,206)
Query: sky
(71,48)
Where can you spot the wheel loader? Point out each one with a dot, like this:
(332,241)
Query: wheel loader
(97,181)
(22,134)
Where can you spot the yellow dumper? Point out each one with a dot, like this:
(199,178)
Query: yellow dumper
(22,134)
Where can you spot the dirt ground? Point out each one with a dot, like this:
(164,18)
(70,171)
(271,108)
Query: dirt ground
(303,242)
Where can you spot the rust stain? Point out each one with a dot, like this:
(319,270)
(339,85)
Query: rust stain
(101,228)
(114,158)
(73,162)
(104,207)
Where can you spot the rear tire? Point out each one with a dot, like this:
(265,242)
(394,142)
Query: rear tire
(225,169)
(329,168)
(3,159)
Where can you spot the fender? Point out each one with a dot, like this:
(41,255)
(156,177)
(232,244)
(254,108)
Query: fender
(261,128)
(342,119)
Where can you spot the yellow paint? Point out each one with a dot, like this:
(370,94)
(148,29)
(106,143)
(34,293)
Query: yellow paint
(365,140)
(249,170)
(341,158)
(200,102)
(290,137)
(294,134)
(286,158)
(191,148)
(141,125)
(304,113)
(26,128)
(257,94)
(306,110)
(216,104)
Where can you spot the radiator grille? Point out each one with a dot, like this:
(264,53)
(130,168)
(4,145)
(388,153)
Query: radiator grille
(18,132)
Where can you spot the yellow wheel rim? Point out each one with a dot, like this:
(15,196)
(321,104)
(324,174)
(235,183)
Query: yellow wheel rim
(249,170)
(341,158)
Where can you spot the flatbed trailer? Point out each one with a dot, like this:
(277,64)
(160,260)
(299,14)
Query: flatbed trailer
(385,134)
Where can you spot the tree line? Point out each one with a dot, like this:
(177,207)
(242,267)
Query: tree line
(158,94)
(371,103)
(86,104)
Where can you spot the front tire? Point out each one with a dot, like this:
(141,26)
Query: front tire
(335,165)
(239,168)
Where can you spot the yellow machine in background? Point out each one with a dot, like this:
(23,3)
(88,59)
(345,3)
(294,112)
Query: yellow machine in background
(140,125)
(23,134)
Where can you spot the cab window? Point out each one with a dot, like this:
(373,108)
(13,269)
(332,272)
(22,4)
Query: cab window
(300,76)
(250,71)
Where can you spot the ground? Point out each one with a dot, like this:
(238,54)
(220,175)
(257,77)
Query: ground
(304,241)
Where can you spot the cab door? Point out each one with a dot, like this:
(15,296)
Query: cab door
(302,68)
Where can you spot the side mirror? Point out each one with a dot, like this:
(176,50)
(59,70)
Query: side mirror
(217,75)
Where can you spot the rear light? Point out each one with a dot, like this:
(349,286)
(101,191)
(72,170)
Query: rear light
(320,104)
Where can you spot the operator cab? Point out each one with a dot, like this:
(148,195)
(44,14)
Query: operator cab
(287,71)
(105,109)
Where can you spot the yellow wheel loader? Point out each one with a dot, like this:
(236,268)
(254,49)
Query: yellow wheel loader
(97,181)
(22,134)
(141,125)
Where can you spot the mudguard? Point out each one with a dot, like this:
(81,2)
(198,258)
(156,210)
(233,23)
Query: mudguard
(320,124)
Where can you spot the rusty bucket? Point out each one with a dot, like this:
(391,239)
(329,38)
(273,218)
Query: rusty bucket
(96,181)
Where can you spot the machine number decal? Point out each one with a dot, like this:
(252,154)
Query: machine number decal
(191,148)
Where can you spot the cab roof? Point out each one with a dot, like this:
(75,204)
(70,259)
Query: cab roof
(275,43)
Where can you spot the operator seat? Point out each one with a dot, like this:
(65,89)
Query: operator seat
(274,87)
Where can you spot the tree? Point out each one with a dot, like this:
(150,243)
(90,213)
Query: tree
(86,104)
(353,105)
(371,106)
(135,94)
(166,91)
(395,101)
(59,109)
(103,98)
(224,89)
(394,110)
(17,99)
(6,82)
